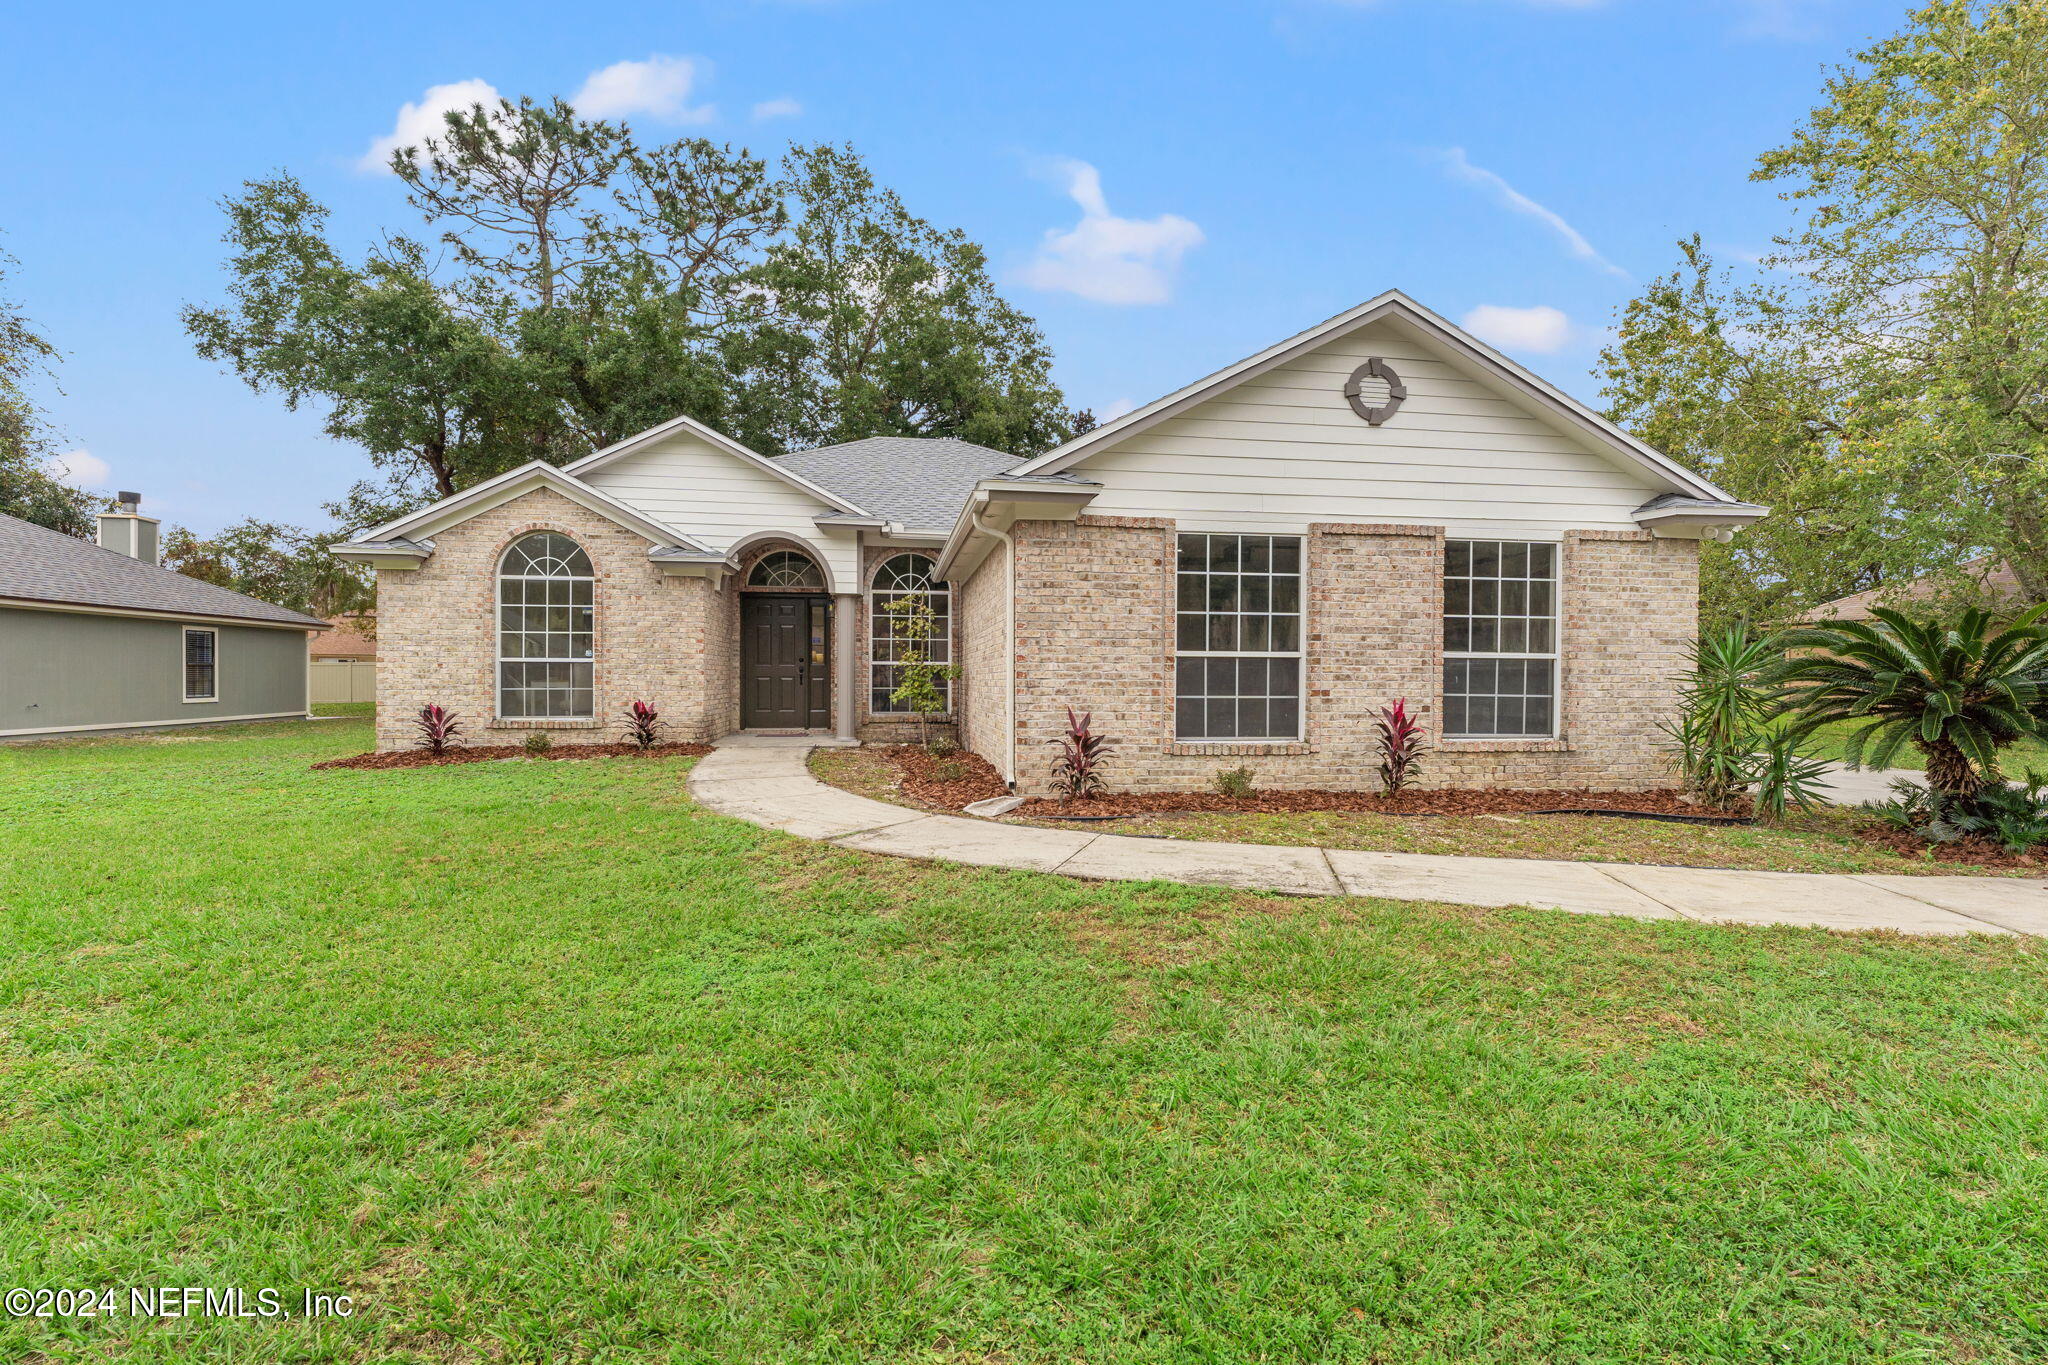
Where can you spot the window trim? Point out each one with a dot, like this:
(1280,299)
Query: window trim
(185,633)
(1175,653)
(939,587)
(1555,656)
(498,659)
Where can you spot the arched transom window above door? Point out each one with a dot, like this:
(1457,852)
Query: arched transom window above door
(547,631)
(787,571)
(903,579)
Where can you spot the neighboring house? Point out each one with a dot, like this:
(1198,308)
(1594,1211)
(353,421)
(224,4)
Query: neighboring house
(1996,580)
(342,661)
(347,639)
(99,637)
(1243,572)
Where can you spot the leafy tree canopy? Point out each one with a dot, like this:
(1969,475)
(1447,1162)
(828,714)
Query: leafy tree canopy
(1881,378)
(574,287)
(281,564)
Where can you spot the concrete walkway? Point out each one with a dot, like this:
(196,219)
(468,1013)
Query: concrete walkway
(764,779)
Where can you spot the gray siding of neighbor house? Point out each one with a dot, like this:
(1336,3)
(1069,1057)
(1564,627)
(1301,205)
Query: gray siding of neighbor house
(63,671)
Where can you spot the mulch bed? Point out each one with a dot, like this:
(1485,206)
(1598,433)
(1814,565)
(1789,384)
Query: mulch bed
(1972,852)
(1481,802)
(977,780)
(484,753)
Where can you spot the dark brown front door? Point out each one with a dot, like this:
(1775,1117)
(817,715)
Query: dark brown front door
(785,662)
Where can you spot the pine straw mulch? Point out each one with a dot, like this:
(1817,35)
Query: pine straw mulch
(1476,802)
(484,753)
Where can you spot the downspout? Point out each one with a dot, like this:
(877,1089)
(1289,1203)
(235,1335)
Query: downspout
(1009,645)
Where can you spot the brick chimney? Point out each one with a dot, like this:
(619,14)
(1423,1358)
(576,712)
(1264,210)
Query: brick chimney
(126,531)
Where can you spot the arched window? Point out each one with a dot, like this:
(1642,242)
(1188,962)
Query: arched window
(900,578)
(787,570)
(547,633)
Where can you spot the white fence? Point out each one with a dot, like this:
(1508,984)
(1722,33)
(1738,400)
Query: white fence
(343,680)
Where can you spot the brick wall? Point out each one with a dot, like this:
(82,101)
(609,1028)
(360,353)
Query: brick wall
(668,641)
(1095,630)
(981,608)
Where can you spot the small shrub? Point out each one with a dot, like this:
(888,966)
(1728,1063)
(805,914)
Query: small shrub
(538,744)
(943,746)
(948,770)
(914,625)
(1400,744)
(1786,778)
(1724,711)
(2015,817)
(643,725)
(1234,781)
(1077,772)
(437,727)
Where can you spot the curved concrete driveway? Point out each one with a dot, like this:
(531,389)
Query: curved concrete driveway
(764,779)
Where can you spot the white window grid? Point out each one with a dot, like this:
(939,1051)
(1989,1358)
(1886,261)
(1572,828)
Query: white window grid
(565,655)
(1516,602)
(1254,617)
(894,579)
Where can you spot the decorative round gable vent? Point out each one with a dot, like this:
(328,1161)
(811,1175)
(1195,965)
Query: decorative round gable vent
(1375,391)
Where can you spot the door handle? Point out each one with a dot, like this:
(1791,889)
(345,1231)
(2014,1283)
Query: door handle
(803,675)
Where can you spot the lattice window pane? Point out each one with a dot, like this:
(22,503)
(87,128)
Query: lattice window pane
(1500,638)
(1238,637)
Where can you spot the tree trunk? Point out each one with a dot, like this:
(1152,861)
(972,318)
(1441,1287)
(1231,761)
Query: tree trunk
(1948,769)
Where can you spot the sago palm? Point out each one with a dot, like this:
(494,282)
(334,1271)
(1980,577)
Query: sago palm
(1958,693)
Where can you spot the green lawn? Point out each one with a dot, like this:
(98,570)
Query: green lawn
(542,1062)
(2023,754)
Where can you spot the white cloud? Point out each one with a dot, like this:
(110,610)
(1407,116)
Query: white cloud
(1107,258)
(418,122)
(82,467)
(658,87)
(1511,198)
(1114,409)
(1539,330)
(783,107)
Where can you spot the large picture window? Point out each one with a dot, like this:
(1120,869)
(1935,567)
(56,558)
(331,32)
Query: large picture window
(1500,639)
(1237,636)
(546,630)
(897,578)
(202,665)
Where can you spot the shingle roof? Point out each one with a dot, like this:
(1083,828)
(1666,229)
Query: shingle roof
(920,481)
(41,565)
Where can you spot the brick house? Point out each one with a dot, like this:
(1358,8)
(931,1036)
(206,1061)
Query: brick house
(1242,572)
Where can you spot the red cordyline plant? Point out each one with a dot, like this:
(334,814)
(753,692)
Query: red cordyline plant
(643,725)
(437,726)
(1077,772)
(1400,746)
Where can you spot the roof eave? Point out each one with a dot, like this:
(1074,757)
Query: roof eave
(1021,499)
(305,623)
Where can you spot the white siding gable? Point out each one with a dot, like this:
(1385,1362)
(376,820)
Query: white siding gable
(685,482)
(1283,449)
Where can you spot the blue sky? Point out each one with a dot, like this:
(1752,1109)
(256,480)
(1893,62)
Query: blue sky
(1167,187)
